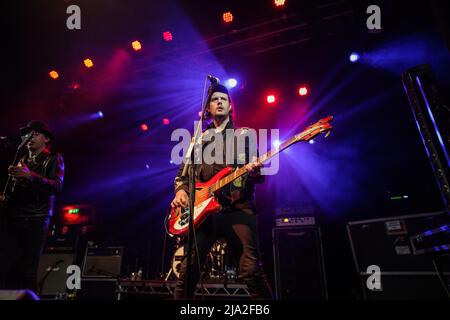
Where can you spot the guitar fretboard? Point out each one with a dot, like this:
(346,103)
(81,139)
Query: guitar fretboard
(241,171)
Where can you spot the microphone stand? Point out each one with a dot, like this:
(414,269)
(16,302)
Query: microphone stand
(190,167)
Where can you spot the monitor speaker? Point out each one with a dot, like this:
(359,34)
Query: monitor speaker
(18,295)
(52,272)
(299,264)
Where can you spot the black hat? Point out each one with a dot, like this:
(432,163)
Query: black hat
(217,88)
(38,126)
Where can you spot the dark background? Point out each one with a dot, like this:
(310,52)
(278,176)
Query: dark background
(374,152)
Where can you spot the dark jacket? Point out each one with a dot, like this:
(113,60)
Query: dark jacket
(35,197)
(238,195)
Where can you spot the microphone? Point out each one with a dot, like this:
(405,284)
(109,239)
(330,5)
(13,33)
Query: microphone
(28,136)
(213,79)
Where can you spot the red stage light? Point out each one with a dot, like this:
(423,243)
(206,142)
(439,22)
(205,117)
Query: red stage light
(166,121)
(271,98)
(88,63)
(279,3)
(167,35)
(303,91)
(136,45)
(227,17)
(53,74)
(144,127)
(74,86)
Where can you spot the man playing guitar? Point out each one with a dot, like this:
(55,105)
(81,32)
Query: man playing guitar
(236,221)
(27,207)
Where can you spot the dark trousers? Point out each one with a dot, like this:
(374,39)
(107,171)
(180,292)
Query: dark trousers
(21,244)
(242,239)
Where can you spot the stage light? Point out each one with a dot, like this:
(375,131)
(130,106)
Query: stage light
(88,63)
(276,143)
(144,127)
(53,74)
(96,115)
(136,45)
(166,121)
(74,86)
(227,17)
(231,83)
(270,98)
(167,35)
(279,3)
(311,141)
(147,166)
(354,57)
(303,90)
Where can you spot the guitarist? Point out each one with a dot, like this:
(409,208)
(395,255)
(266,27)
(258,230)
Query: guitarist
(237,220)
(37,177)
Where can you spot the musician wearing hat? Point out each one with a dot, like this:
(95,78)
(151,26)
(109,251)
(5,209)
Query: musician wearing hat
(236,222)
(36,178)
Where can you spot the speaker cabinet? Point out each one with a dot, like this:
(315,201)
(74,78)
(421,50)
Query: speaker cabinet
(299,263)
(103,262)
(386,243)
(52,274)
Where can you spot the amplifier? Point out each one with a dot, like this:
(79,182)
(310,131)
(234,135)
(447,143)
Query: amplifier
(103,262)
(386,243)
(295,221)
(295,216)
(52,274)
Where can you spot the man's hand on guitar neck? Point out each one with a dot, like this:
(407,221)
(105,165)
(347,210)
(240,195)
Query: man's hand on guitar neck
(181,199)
(253,169)
(2,198)
(20,172)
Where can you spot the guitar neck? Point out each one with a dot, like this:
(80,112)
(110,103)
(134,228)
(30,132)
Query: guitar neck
(241,171)
(14,163)
(321,126)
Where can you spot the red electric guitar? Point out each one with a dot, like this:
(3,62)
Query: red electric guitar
(205,200)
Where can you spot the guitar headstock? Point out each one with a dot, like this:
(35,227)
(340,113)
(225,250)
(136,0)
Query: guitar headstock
(321,126)
(25,139)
